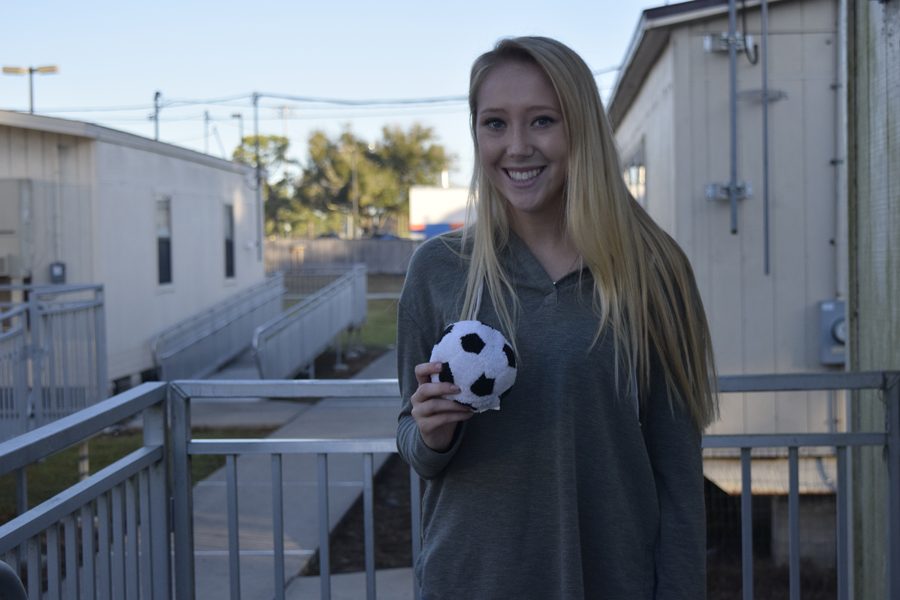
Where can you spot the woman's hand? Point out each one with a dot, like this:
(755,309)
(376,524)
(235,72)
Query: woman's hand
(435,416)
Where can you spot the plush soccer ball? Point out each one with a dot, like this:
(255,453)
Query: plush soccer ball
(479,360)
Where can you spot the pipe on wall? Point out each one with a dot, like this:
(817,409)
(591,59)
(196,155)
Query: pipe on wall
(732,100)
(764,51)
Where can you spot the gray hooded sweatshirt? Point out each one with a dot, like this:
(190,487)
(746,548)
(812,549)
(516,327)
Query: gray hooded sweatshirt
(573,489)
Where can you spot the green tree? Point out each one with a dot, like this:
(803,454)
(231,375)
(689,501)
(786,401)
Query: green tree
(370,182)
(344,178)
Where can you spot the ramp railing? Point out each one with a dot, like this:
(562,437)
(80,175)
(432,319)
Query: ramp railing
(201,344)
(14,410)
(52,350)
(292,341)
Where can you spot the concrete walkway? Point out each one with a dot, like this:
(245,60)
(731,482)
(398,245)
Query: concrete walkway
(327,418)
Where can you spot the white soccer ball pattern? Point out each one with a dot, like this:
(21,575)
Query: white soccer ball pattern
(479,360)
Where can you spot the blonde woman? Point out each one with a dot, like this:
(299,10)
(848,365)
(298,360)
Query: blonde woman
(588,483)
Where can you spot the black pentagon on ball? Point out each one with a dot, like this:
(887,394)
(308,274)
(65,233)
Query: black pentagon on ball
(510,356)
(446,374)
(448,330)
(472,342)
(483,386)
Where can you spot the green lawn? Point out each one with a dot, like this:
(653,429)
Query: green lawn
(380,330)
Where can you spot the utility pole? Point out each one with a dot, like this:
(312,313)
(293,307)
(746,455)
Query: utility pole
(355,191)
(240,118)
(259,200)
(156,98)
(206,132)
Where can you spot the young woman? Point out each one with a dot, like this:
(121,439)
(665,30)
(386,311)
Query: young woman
(588,482)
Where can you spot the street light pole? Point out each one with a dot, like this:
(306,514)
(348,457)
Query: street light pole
(30,71)
(240,118)
(206,132)
(259,198)
(156,98)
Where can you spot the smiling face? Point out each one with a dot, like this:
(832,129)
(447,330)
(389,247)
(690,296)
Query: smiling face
(521,139)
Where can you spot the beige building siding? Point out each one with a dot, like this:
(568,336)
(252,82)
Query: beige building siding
(653,116)
(760,323)
(93,194)
(60,169)
(129,184)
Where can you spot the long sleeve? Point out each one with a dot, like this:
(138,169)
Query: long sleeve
(673,446)
(412,349)
(424,310)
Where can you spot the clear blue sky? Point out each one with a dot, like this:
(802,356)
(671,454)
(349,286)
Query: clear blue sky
(119,53)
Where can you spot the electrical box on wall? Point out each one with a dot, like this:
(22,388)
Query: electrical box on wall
(832,332)
(58,272)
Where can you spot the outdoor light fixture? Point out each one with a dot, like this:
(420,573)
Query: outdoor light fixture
(30,71)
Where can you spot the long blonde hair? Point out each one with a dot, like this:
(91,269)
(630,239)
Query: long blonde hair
(644,288)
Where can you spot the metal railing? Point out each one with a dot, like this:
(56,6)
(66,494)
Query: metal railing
(199,345)
(14,411)
(114,566)
(293,340)
(52,350)
(106,536)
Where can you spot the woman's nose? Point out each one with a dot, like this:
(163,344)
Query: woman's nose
(519,143)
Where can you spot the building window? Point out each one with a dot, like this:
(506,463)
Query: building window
(164,239)
(636,176)
(229,241)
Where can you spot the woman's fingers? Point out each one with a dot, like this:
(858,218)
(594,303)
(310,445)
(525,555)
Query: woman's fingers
(436,416)
(424,371)
(436,406)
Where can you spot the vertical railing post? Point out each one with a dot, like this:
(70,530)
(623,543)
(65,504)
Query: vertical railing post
(324,529)
(794,522)
(182,504)
(154,419)
(100,344)
(842,525)
(35,352)
(278,524)
(746,525)
(415,509)
(892,414)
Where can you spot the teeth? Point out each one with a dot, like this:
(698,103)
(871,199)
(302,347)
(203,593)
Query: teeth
(523,175)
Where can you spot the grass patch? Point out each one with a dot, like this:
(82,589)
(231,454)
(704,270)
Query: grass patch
(380,329)
(381,283)
(54,474)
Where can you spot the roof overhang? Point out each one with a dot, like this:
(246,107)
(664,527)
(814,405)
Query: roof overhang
(99,133)
(650,39)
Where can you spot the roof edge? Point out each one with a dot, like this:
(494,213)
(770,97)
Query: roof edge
(650,37)
(108,135)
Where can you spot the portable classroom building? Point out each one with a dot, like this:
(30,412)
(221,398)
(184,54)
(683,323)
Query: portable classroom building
(167,231)
(670,112)
(774,287)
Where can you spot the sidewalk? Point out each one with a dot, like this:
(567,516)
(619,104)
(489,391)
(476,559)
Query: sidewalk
(328,418)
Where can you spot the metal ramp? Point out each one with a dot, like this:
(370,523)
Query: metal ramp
(280,342)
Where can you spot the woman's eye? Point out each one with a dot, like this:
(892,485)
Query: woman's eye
(493,123)
(544,121)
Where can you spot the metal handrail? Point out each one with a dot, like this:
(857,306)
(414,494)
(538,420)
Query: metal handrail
(200,325)
(292,340)
(157,400)
(61,361)
(205,341)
